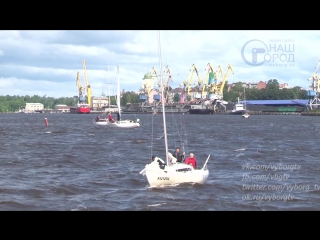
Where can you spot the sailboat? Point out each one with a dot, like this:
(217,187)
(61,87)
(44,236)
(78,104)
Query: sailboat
(120,123)
(245,113)
(172,174)
(103,120)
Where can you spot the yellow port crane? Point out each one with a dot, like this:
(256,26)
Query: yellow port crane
(80,89)
(88,88)
(167,79)
(220,74)
(221,86)
(150,83)
(186,84)
(216,91)
(206,82)
(214,85)
(199,82)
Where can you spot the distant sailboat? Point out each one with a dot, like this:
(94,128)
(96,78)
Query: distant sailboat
(103,120)
(120,123)
(245,112)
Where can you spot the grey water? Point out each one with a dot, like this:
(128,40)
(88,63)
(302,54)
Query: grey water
(263,163)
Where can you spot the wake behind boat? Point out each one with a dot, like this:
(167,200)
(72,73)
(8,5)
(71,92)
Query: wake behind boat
(172,173)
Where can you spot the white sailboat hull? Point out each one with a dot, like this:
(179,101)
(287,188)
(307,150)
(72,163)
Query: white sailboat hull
(246,115)
(174,174)
(125,124)
(101,122)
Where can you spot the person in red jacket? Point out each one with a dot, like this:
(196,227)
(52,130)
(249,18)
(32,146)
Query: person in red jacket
(110,118)
(191,160)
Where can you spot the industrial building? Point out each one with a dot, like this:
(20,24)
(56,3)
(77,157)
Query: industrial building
(296,105)
(33,107)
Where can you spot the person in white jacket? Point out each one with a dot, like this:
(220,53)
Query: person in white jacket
(171,158)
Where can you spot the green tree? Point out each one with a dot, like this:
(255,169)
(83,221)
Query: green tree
(272,84)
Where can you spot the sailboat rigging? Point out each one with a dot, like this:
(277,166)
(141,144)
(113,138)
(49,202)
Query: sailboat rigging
(172,173)
(103,120)
(245,112)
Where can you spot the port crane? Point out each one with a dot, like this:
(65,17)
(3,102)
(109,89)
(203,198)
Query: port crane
(88,87)
(217,79)
(198,85)
(80,89)
(166,85)
(187,84)
(210,73)
(216,91)
(150,83)
(313,93)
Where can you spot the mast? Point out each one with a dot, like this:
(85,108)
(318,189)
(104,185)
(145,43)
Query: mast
(108,89)
(118,93)
(162,102)
(244,97)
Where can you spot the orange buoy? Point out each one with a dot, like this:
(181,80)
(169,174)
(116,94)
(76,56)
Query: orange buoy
(46,122)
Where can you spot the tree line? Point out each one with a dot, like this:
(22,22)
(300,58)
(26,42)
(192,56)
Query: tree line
(271,92)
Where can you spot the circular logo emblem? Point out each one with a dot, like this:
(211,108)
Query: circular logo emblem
(253,52)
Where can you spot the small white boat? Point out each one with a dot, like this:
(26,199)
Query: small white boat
(238,108)
(125,124)
(246,115)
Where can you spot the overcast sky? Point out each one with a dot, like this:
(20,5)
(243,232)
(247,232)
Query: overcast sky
(46,62)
